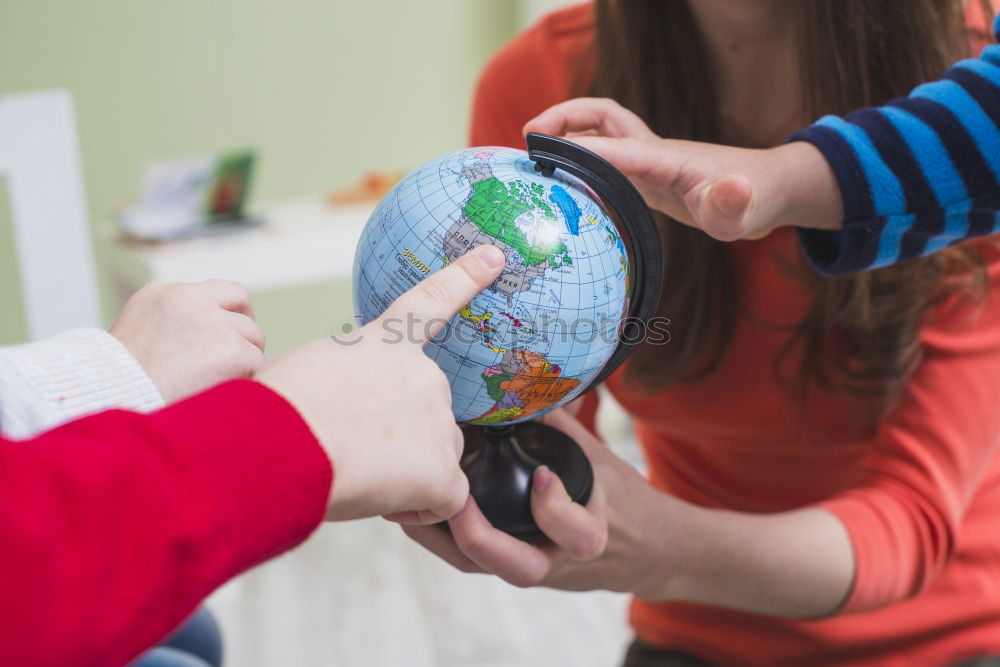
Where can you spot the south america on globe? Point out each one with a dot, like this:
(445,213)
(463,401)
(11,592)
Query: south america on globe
(538,336)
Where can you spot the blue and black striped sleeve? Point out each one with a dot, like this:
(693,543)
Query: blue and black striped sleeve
(916,175)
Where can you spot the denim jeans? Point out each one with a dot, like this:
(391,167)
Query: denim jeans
(197,643)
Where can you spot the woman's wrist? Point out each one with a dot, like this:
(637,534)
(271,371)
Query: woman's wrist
(738,560)
(659,567)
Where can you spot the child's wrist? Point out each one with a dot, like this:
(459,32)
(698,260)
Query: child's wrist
(807,188)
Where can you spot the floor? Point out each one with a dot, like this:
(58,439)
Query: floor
(362,595)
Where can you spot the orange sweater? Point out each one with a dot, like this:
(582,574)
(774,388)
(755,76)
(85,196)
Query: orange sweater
(919,494)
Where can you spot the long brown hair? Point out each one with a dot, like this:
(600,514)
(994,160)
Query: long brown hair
(861,331)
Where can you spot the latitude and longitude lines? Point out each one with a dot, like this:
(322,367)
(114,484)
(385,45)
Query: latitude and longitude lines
(433,195)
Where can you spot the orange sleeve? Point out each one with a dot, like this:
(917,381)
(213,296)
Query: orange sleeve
(493,119)
(587,415)
(980,25)
(540,67)
(928,457)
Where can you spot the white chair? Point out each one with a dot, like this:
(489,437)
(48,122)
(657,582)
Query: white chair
(40,158)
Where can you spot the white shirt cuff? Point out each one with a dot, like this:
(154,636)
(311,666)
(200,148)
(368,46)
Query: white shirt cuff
(76,373)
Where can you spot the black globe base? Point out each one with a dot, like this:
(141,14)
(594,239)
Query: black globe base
(500,463)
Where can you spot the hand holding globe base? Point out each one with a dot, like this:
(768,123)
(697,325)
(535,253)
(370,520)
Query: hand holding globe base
(500,462)
(583,259)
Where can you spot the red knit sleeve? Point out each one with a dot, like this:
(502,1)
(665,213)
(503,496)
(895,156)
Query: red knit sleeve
(928,457)
(115,526)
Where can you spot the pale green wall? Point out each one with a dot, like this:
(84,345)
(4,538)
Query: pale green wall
(12,326)
(324,89)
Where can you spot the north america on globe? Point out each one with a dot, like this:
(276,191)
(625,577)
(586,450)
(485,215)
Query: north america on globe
(542,331)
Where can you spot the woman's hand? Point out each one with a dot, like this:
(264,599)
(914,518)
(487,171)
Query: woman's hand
(634,538)
(600,546)
(381,407)
(730,193)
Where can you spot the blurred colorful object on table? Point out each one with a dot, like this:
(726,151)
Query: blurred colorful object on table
(186,196)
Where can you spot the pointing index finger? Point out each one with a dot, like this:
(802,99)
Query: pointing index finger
(431,302)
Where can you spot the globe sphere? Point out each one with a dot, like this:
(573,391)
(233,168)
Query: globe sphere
(537,337)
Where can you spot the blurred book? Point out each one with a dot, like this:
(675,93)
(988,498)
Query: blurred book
(193,195)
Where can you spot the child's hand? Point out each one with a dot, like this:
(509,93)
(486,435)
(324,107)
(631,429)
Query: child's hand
(189,337)
(382,408)
(730,193)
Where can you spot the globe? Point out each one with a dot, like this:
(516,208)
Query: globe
(541,333)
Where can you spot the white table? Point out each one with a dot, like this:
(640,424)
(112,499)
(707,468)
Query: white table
(302,242)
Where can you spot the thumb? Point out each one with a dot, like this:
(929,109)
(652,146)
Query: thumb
(433,301)
(722,208)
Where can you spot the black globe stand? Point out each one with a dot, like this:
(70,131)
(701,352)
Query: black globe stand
(500,461)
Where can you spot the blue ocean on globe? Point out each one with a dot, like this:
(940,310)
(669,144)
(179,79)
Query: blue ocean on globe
(538,336)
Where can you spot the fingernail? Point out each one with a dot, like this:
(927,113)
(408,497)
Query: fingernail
(491,256)
(543,477)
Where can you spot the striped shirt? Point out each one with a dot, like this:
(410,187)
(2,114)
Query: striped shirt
(916,175)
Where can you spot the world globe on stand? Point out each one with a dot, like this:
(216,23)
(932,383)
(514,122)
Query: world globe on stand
(538,336)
